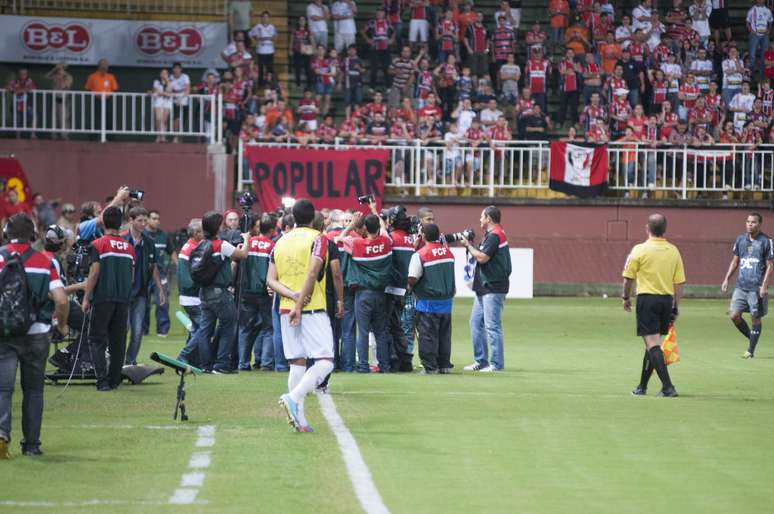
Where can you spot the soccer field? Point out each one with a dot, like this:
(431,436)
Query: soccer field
(557,432)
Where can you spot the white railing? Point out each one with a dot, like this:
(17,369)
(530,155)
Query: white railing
(198,7)
(683,169)
(522,165)
(97,114)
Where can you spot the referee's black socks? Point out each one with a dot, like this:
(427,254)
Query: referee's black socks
(657,361)
(647,371)
(742,327)
(755,333)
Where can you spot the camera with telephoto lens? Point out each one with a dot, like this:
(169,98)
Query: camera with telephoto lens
(455,237)
(136,194)
(396,218)
(365,199)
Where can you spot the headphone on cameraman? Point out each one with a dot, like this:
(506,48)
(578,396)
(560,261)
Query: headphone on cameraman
(54,238)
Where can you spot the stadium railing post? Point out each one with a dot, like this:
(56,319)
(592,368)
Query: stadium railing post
(102,117)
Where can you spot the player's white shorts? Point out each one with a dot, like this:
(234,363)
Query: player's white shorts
(418,31)
(312,339)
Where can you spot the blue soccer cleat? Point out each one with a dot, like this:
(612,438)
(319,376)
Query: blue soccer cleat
(291,410)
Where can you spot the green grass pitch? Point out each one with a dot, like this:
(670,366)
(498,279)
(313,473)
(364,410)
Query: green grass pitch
(558,432)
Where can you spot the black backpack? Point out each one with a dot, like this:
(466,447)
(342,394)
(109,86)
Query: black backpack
(204,266)
(17,312)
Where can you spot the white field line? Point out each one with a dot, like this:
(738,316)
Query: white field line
(192,480)
(358,471)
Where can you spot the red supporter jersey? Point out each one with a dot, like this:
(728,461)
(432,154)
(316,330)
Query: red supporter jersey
(659,92)
(379,30)
(418,11)
(620,108)
(691,93)
(326,133)
(448,33)
(502,40)
(537,71)
(430,109)
(638,125)
(477,38)
(307,109)
(569,80)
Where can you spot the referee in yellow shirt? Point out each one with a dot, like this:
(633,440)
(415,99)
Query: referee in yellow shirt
(657,267)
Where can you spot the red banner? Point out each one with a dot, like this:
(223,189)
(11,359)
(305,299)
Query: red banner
(12,176)
(329,178)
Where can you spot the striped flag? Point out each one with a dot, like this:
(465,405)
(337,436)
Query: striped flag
(578,169)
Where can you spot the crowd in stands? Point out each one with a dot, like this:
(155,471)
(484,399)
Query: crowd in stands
(649,75)
(670,75)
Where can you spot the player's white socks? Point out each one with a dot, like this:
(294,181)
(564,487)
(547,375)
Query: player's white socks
(312,378)
(295,375)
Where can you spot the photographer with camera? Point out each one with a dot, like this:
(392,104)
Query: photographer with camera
(369,271)
(188,297)
(255,324)
(92,222)
(490,283)
(26,323)
(146,271)
(431,279)
(211,270)
(401,231)
(108,292)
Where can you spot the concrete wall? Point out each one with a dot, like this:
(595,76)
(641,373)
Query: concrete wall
(182,180)
(589,244)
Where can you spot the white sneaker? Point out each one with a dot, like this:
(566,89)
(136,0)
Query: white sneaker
(489,369)
(473,367)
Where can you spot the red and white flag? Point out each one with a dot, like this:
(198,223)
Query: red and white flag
(578,169)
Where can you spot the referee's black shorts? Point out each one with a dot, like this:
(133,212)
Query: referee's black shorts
(654,313)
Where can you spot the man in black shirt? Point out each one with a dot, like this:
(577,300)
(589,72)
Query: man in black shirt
(536,124)
(490,283)
(634,74)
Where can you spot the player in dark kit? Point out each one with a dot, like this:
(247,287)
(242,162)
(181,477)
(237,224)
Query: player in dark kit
(753,256)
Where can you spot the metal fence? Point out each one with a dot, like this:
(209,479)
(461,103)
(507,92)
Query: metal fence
(97,114)
(198,7)
(525,165)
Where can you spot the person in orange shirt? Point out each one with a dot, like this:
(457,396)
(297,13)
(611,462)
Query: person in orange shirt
(464,18)
(559,10)
(611,52)
(102,81)
(273,115)
(577,37)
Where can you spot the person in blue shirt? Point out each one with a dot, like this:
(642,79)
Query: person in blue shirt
(753,256)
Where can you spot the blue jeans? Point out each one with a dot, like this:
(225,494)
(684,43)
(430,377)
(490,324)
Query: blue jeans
(486,329)
(255,333)
(757,43)
(162,310)
(217,310)
(280,363)
(189,352)
(136,317)
(29,353)
(370,315)
(347,357)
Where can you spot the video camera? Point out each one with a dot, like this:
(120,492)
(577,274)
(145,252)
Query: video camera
(246,200)
(365,199)
(455,237)
(136,194)
(396,218)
